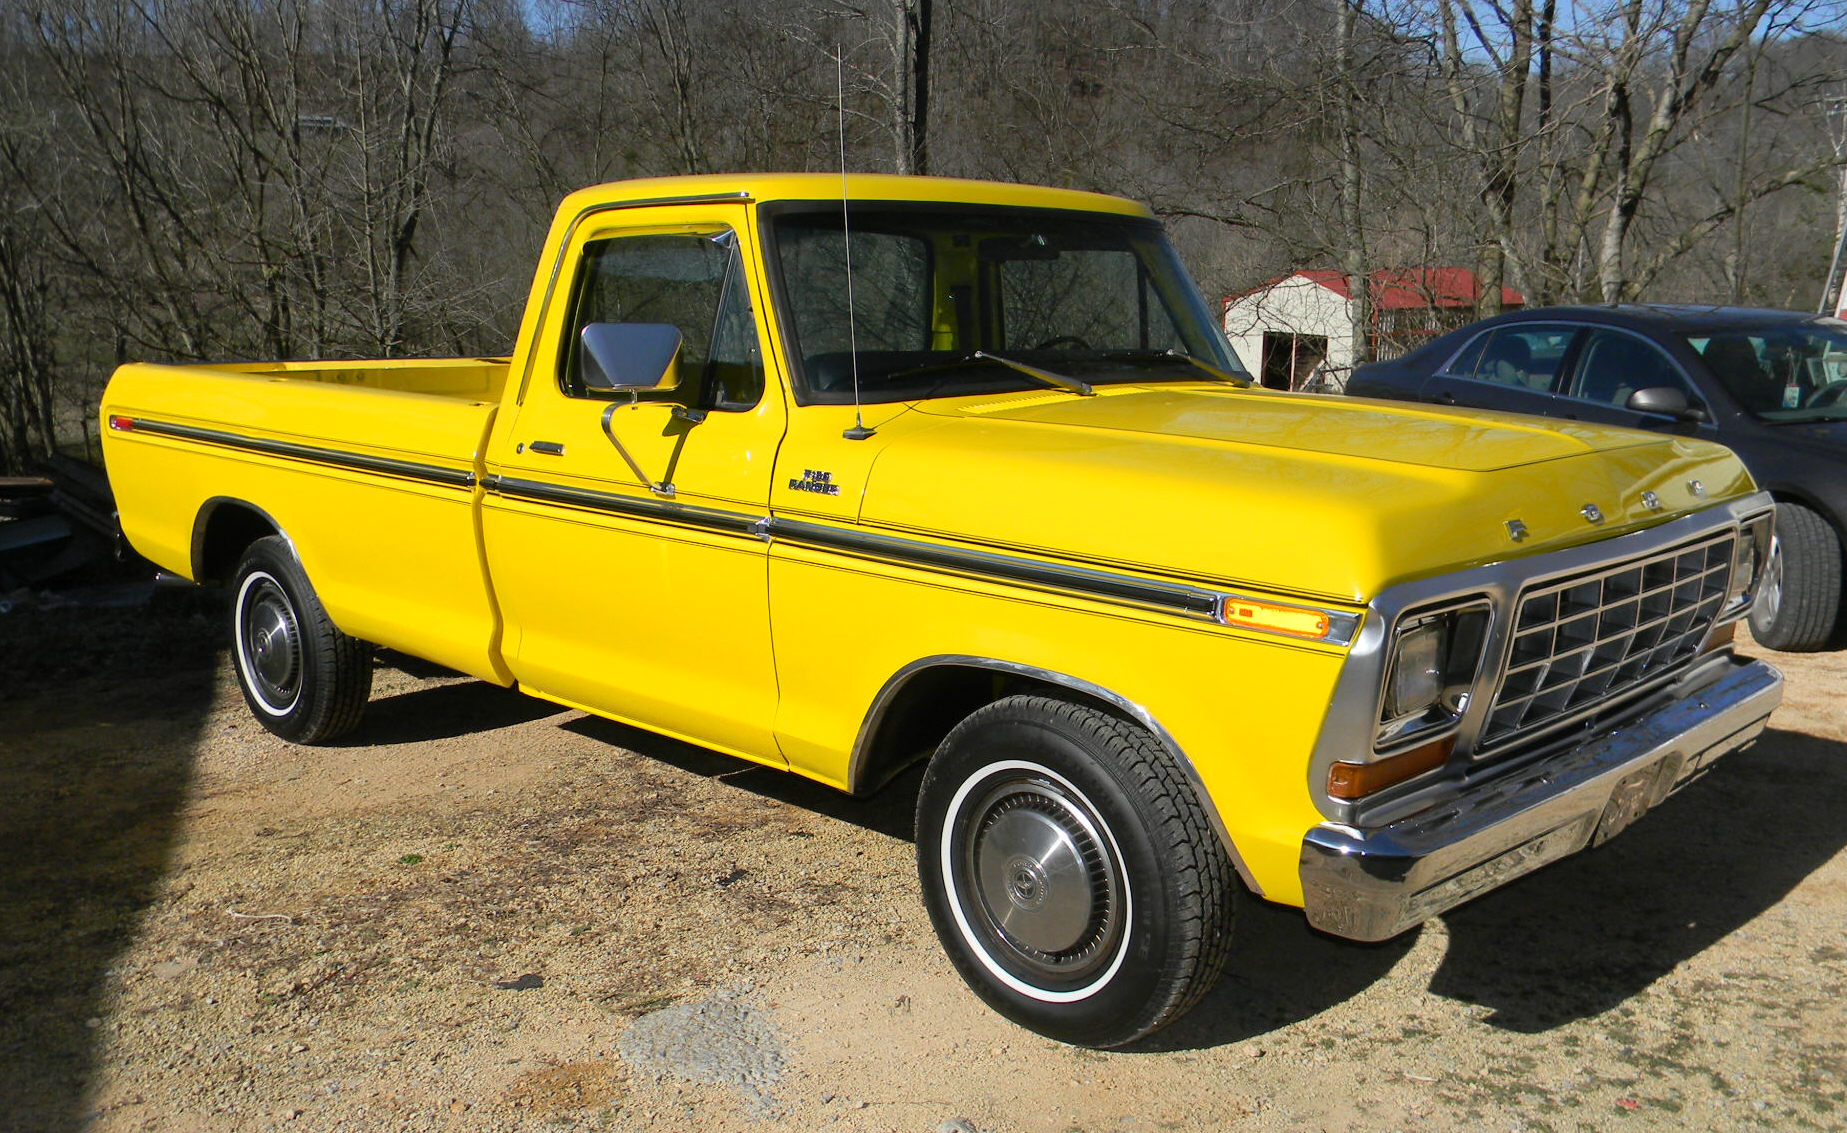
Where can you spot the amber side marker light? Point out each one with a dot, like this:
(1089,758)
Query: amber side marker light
(121,424)
(1292,620)
(1348,781)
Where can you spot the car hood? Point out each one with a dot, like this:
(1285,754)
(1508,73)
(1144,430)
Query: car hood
(1317,496)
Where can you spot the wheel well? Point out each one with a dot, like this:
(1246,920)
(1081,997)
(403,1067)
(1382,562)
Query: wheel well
(224,529)
(914,716)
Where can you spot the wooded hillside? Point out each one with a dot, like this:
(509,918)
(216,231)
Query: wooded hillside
(210,179)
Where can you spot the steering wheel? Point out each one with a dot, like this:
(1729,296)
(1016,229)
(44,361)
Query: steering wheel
(1070,341)
(1830,394)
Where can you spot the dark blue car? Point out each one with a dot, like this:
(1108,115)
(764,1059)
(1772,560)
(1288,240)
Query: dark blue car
(1771,385)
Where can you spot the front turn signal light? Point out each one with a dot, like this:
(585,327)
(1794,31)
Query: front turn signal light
(1273,618)
(1349,781)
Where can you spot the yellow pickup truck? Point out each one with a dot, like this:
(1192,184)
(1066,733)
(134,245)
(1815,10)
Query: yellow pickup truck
(840,474)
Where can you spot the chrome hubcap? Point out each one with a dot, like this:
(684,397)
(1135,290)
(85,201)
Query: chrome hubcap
(1046,893)
(269,643)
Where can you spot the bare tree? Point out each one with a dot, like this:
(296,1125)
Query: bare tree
(1491,117)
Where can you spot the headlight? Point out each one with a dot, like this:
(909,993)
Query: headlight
(1435,656)
(1417,681)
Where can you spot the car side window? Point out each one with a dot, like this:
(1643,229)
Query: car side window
(1612,365)
(1523,357)
(691,281)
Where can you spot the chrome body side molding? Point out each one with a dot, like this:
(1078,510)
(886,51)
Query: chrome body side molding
(312,454)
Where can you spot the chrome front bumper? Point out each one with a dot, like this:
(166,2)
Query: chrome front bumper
(1374,884)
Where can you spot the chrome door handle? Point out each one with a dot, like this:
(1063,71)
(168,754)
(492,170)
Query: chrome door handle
(549,448)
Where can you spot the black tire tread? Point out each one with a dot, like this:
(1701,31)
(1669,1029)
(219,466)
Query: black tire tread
(1201,869)
(1811,603)
(342,664)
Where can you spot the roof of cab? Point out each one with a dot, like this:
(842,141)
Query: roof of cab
(761,187)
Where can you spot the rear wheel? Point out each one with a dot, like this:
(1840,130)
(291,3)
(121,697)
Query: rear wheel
(1799,597)
(1070,872)
(303,679)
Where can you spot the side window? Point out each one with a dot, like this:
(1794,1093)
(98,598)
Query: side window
(1524,357)
(1613,365)
(1752,370)
(691,281)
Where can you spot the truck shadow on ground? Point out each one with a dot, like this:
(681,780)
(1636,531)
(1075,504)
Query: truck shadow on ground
(1579,937)
(890,811)
(445,712)
(97,737)
(1569,942)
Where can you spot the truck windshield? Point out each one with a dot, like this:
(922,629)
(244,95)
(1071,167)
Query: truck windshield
(936,290)
(1782,373)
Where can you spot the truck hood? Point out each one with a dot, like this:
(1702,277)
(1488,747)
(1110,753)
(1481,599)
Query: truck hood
(1321,497)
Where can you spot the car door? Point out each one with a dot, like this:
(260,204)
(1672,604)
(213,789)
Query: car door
(1610,365)
(1516,367)
(619,523)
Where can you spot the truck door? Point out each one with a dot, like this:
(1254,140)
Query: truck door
(619,524)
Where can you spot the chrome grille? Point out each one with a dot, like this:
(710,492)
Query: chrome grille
(1590,638)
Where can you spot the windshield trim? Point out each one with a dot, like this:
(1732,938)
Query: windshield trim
(1192,303)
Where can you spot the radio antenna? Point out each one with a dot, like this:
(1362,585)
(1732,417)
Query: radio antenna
(858,432)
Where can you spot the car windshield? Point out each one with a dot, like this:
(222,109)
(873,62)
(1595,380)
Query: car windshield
(1781,374)
(939,292)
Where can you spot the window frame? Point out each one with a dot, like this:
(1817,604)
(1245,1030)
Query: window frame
(692,391)
(1477,345)
(1192,302)
(1581,349)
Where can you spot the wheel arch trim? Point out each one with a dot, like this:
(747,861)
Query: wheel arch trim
(857,767)
(202,525)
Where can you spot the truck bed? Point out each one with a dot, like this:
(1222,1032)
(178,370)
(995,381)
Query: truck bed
(467,379)
(370,467)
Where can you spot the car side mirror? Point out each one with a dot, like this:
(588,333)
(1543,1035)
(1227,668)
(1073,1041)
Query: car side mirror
(1665,401)
(629,356)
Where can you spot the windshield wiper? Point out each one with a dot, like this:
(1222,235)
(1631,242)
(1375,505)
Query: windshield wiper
(1061,381)
(1048,377)
(1242,382)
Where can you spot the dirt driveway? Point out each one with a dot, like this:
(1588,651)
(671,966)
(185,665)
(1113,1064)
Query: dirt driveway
(486,914)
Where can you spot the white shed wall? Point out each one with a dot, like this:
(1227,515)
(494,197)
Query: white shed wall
(1295,305)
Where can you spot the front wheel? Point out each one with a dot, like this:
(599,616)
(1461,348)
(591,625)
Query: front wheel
(1070,871)
(1799,597)
(303,679)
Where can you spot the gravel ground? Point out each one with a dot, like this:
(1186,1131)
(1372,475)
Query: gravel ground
(486,914)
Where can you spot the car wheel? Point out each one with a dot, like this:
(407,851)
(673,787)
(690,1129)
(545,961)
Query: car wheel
(1799,597)
(303,679)
(1070,871)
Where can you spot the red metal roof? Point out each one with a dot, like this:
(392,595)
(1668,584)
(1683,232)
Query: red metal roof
(1397,289)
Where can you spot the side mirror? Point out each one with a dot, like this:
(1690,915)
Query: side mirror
(1665,401)
(629,356)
